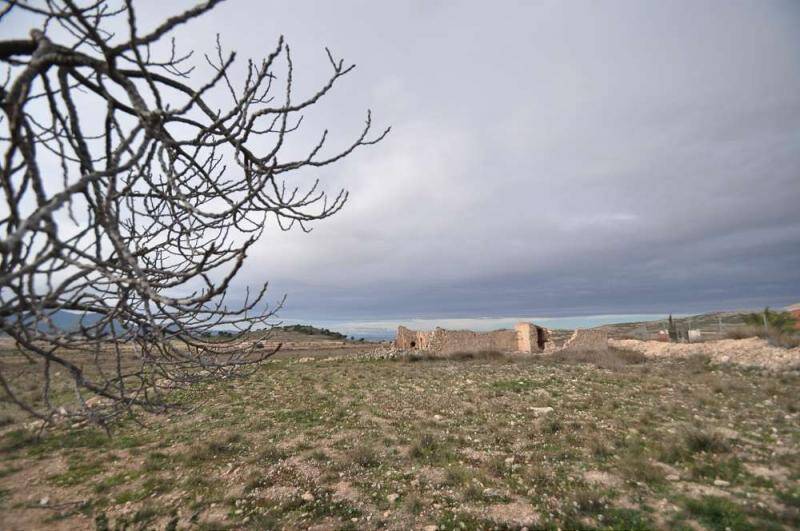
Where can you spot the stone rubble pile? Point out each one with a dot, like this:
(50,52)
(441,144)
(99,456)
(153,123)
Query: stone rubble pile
(384,352)
(749,352)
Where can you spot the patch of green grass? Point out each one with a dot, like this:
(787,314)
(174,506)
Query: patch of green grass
(157,461)
(270,454)
(218,447)
(628,519)
(120,478)
(78,471)
(9,470)
(790,496)
(16,440)
(725,469)
(515,386)
(123,442)
(718,514)
(462,520)
(303,418)
(148,488)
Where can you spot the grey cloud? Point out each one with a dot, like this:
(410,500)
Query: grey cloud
(545,159)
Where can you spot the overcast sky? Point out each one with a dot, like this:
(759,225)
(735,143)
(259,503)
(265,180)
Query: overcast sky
(546,158)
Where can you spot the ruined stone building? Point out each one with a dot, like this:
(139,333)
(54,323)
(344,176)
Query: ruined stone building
(526,338)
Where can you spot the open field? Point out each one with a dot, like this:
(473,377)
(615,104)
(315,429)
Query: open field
(343,442)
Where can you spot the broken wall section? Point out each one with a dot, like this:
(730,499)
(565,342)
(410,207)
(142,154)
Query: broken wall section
(532,338)
(450,341)
(587,340)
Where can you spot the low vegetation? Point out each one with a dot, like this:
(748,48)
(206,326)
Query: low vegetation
(579,441)
(776,337)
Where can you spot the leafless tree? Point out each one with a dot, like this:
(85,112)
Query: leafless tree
(132,197)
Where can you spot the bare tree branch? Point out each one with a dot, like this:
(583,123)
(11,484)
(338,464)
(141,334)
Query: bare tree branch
(132,201)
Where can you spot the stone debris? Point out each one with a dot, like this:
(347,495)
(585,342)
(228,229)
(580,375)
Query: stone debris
(749,352)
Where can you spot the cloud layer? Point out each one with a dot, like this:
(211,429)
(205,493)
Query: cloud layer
(547,158)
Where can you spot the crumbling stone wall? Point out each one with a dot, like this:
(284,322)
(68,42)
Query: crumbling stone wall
(405,338)
(449,341)
(525,337)
(587,340)
(412,339)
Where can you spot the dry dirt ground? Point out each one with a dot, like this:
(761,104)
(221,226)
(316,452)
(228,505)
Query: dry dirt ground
(327,441)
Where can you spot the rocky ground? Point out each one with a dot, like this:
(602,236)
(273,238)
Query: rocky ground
(336,440)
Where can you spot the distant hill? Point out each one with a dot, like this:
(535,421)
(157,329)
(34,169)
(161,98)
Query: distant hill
(69,321)
(710,324)
(295,332)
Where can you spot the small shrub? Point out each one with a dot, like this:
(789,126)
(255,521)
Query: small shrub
(486,355)
(552,426)
(697,363)
(777,321)
(744,332)
(364,456)
(783,339)
(414,505)
(456,475)
(638,468)
(599,449)
(429,449)
(497,466)
(726,469)
(777,337)
(220,446)
(702,441)
(157,461)
(790,497)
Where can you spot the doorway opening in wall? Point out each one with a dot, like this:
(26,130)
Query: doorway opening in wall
(413,344)
(540,338)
